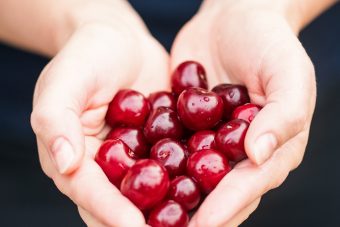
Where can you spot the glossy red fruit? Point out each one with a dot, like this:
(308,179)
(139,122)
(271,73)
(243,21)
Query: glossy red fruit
(233,96)
(246,112)
(134,138)
(202,140)
(145,184)
(171,154)
(162,98)
(115,159)
(129,108)
(207,168)
(163,123)
(188,74)
(230,139)
(184,191)
(168,214)
(199,109)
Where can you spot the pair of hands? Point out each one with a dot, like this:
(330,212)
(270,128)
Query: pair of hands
(237,42)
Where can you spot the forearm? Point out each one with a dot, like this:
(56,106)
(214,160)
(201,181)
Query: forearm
(45,25)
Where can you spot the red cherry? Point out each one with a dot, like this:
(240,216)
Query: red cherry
(207,168)
(246,112)
(230,139)
(168,214)
(171,154)
(133,138)
(145,184)
(184,191)
(129,108)
(115,159)
(188,74)
(163,123)
(202,140)
(199,109)
(233,96)
(162,98)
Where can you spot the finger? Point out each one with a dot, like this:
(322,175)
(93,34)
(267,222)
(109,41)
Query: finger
(247,182)
(289,85)
(89,219)
(68,93)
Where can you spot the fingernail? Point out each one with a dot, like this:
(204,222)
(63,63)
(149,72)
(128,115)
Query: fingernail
(62,154)
(264,147)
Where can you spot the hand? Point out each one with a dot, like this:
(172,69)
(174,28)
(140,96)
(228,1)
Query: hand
(253,43)
(71,100)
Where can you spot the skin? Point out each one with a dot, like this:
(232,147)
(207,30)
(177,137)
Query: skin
(98,47)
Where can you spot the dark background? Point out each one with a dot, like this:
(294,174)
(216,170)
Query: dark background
(309,197)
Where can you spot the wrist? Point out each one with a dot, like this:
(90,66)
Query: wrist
(117,15)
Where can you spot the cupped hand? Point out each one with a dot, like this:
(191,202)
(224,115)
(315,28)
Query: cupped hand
(253,43)
(70,102)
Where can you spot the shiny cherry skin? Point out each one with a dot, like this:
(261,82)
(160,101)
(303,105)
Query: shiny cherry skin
(168,214)
(188,74)
(134,138)
(185,191)
(230,139)
(246,112)
(202,140)
(233,95)
(171,154)
(162,98)
(207,168)
(129,108)
(163,123)
(199,109)
(115,159)
(145,184)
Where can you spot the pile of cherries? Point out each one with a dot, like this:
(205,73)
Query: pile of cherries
(168,151)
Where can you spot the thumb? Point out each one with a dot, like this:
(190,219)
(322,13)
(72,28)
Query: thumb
(290,94)
(56,122)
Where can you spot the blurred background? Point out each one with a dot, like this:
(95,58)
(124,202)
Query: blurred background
(309,197)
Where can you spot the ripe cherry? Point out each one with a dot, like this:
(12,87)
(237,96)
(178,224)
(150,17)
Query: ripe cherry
(168,214)
(188,74)
(162,98)
(207,168)
(230,139)
(163,123)
(133,138)
(171,154)
(233,96)
(202,140)
(129,108)
(185,191)
(115,159)
(145,184)
(246,112)
(199,109)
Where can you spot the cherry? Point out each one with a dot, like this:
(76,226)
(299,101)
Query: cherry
(115,158)
(199,109)
(171,154)
(134,138)
(202,140)
(163,123)
(246,112)
(162,98)
(230,139)
(145,184)
(207,168)
(188,74)
(233,96)
(129,108)
(168,214)
(184,191)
